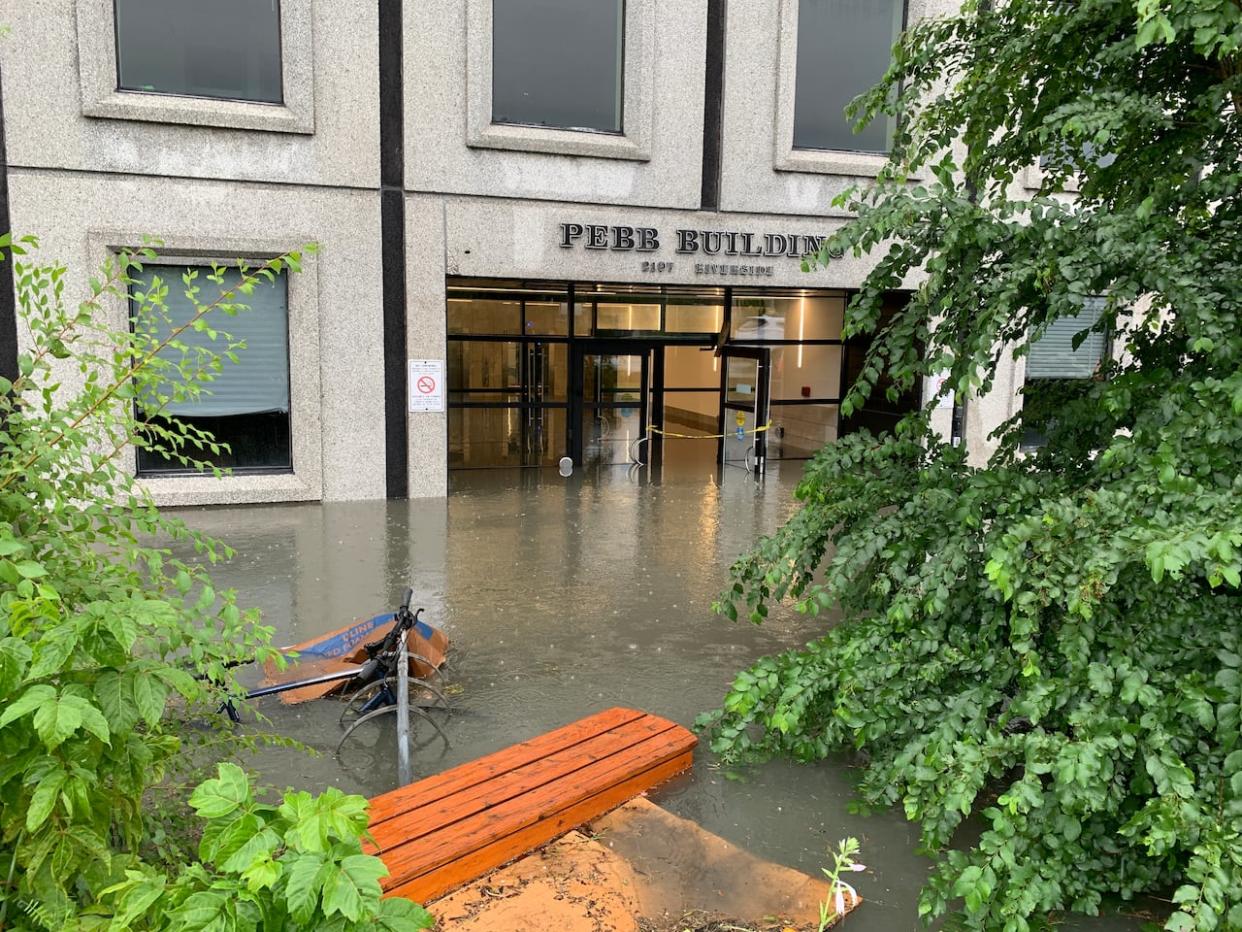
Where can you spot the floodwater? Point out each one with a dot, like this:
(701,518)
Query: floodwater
(563,597)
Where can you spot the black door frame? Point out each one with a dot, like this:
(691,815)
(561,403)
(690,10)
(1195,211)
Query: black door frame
(763,355)
(579,349)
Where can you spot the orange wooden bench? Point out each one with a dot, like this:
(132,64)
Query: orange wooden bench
(446,830)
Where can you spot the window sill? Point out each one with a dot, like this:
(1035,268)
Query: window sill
(826,162)
(557,142)
(637,84)
(97,77)
(199,111)
(244,489)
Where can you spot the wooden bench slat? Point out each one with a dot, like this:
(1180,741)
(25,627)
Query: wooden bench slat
(435,883)
(401,800)
(421,820)
(437,848)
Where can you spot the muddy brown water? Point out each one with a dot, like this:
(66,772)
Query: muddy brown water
(563,597)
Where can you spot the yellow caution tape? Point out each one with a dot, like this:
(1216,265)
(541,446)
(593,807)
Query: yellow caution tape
(666,433)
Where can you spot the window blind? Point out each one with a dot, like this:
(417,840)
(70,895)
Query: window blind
(258,383)
(1053,356)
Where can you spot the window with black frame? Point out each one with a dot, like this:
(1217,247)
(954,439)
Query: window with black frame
(802,331)
(558,63)
(225,49)
(245,407)
(1058,372)
(508,374)
(844,48)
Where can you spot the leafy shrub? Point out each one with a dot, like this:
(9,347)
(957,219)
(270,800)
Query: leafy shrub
(108,645)
(294,865)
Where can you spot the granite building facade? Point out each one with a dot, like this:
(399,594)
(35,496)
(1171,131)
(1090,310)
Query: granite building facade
(580,221)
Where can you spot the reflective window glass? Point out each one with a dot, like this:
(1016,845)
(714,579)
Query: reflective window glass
(547,371)
(484,437)
(475,315)
(246,405)
(759,318)
(811,371)
(798,431)
(627,317)
(693,413)
(228,49)
(691,367)
(558,63)
(612,379)
(484,366)
(545,436)
(742,381)
(608,435)
(693,318)
(844,47)
(547,318)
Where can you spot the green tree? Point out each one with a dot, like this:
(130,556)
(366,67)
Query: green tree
(112,650)
(1052,641)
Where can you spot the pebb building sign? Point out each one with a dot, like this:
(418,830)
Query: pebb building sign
(698,244)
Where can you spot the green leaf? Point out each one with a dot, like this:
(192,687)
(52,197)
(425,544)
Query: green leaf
(354,884)
(205,910)
(256,847)
(398,915)
(56,721)
(15,656)
(150,696)
(226,793)
(93,720)
(116,697)
(304,880)
(261,874)
(1100,677)
(967,880)
(137,900)
(223,838)
(43,800)
(122,627)
(31,699)
(52,650)
(315,822)
(181,681)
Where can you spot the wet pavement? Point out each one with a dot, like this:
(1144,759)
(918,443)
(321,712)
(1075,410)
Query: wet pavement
(563,597)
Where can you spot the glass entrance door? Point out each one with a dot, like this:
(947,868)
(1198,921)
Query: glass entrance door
(610,397)
(744,407)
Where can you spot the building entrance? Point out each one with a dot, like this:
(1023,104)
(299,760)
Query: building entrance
(609,410)
(666,376)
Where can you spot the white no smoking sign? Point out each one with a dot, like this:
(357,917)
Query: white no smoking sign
(426,385)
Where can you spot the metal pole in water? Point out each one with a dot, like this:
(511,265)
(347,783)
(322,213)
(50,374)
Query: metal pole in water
(403,713)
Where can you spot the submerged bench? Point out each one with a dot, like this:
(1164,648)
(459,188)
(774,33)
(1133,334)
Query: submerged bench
(446,830)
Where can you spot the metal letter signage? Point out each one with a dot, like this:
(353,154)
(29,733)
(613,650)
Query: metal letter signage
(426,386)
(623,238)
